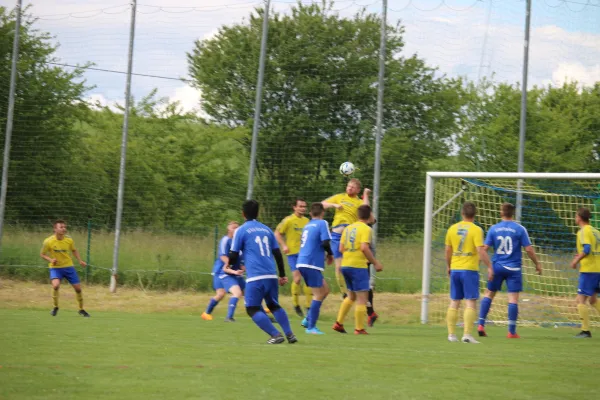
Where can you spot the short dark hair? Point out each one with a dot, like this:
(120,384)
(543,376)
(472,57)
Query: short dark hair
(59,221)
(295,203)
(584,213)
(250,209)
(469,210)
(364,212)
(316,209)
(508,210)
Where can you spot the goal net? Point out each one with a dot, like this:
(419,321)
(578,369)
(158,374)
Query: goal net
(548,206)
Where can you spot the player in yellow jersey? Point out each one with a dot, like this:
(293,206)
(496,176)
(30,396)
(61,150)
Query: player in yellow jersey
(288,234)
(56,250)
(464,248)
(588,257)
(346,213)
(355,247)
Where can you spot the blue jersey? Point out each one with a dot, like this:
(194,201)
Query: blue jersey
(224,245)
(312,253)
(507,238)
(257,241)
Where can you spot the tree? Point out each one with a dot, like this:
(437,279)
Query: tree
(319,106)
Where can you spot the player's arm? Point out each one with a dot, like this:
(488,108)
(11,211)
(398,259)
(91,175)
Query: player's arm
(78,257)
(483,256)
(326,244)
(280,239)
(587,248)
(332,202)
(46,249)
(365,247)
(448,258)
(533,257)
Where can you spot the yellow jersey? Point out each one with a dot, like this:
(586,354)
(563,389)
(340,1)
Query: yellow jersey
(349,212)
(589,235)
(291,227)
(59,249)
(465,238)
(352,237)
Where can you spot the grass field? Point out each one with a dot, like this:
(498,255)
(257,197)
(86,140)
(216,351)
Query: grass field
(141,345)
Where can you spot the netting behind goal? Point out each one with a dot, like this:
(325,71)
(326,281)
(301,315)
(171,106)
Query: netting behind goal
(548,213)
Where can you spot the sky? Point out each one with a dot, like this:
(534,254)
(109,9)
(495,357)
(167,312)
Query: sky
(469,38)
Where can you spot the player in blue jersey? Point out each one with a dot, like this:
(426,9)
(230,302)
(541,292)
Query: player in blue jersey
(261,250)
(314,243)
(220,262)
(507,238)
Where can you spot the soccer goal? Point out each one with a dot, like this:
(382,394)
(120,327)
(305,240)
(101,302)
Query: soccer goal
(548,202)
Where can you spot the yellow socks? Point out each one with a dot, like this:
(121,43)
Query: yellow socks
(295,294)
(597,305)
(452,319)
(344,309)
(584,313)
(341,282)
(470,316)
(308,293)
(360,316)
(79,297)
(55,297)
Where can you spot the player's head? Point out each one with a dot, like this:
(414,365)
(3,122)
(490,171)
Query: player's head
(231,227)
(60,226)
(507,210)
(317,210)
(364,213)
(468,210)
(299,207)
(250,209)
(353,187)
(583,216)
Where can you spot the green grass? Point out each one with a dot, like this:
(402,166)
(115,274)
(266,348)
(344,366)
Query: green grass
(178,356)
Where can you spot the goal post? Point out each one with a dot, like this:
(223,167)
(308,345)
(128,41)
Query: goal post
(550,201)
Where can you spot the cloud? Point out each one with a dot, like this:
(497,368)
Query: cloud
(569,72)
(188,97)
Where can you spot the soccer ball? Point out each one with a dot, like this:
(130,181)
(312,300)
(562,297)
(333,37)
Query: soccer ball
(347,168)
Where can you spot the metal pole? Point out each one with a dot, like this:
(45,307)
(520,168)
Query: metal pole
(379,123)
(480,71)
(523,121)
(216,242)
(10,115)
(88,253)
(121,190)
(427,239)
(258,102)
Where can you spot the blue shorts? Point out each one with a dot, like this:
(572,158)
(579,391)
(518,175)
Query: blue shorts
(514,280)
(228,281)
(292,261)
(217,284)
(464,285)
(312,277)
(357,279)
(588,283)
(335,244)
(67,273)
(262,289)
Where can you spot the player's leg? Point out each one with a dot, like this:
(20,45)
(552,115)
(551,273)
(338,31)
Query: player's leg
(514,285)
(347,303)
(212,303)
(337,256)
(471,292)
(486,303)
(236,294)
(308,296)
(588,283)
(594,297)
(314,279)
(71,275)
(272,301)
(295,287)
(456,295)
(254,295)
(55,278)
(372,315)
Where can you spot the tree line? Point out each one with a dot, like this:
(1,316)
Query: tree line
(319,109)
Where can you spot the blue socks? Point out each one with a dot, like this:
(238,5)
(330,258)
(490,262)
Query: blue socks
(211,306)
(313,313)
(282,319)
(262,320)
(232,305)
(513,313)
(484,309)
